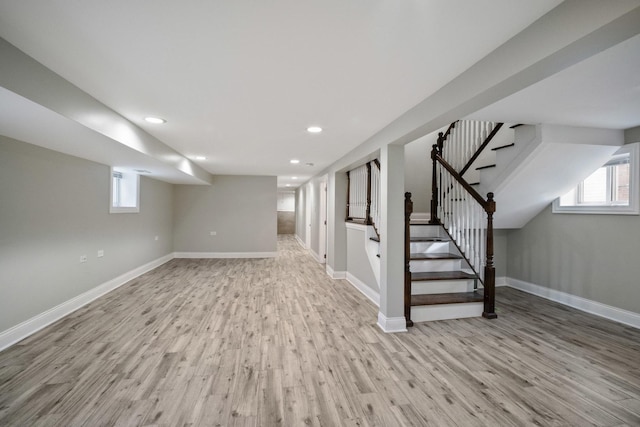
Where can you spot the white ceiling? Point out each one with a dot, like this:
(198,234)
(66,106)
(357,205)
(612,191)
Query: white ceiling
(602,91)
(240,81)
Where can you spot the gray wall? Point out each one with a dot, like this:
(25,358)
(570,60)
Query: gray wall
(418,170)
(632,135)
(55,208)
(240,209)
(357,260)
(301,212)
(500,242)
(592,256)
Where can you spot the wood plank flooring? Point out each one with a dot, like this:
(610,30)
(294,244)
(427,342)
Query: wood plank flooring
(268,342)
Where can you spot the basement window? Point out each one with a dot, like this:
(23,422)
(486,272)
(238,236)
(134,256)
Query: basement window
(611,189)
(125,192)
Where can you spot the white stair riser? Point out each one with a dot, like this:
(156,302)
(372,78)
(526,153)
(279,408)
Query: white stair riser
(439,265)
(429,313)
(441,286)
(426,230)
(432,247)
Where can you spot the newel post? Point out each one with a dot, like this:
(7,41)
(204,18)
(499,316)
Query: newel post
(368,211)
(408,210)
(435,150)
(489,270)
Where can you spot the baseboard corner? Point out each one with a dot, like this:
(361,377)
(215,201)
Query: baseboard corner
(392,325)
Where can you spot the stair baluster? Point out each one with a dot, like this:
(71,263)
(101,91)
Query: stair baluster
(459,207)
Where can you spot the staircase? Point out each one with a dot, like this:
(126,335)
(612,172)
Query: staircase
(449,269)
(443,284)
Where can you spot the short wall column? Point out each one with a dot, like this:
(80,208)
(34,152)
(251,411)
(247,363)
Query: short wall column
(391,316)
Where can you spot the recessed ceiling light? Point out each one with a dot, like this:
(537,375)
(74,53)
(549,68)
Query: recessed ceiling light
(294,161)
(155,120)
(287,185)
(201,158)
(314,129)
(294,177)
(142,171)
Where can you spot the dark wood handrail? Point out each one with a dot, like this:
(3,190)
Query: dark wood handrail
(484,203)
(481,148)
(448,131)
(408,210)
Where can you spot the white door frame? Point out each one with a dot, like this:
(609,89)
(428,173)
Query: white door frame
(322,227)
(307,222)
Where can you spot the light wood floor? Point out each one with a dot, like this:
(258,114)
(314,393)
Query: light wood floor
(271,342)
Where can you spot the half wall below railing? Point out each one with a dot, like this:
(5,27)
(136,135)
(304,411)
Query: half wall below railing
(363,194)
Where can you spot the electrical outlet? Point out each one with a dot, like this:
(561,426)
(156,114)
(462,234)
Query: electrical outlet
(100,253)
(83,258)
(213,233)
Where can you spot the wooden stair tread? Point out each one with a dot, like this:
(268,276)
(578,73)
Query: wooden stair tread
(432,256)
(503,146)
(429,239)
(450,298)
(479,168)
(441,275)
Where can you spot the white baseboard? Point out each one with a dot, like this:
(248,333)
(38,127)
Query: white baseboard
(336,274)
(364,289)
(317,257)
(609,312)
(429,313)
(300,241)
(392,324)
(34,324)
(501,281)
(225,254)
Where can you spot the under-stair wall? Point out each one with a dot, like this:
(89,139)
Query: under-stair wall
(545,163)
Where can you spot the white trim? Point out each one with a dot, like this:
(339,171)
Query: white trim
(634,191)
(336,274)
(316,256)
(392,324)
(501,281)
(609,312)
(300,241)
(364,289)
(34,324)
(225,254)
(355,226)
(430,313)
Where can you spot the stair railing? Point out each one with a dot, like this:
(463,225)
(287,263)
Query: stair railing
(363,194)
(466,140)
(468,218)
